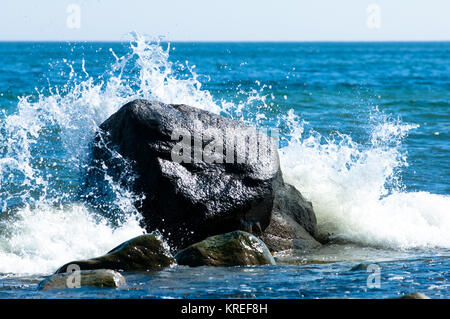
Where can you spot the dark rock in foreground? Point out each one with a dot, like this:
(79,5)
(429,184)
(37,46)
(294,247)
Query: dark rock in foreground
(293,224)
(237,248)
(414,295)
(101,278)
(190,200)
(142,253)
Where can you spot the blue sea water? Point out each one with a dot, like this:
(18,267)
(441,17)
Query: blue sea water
(365,137)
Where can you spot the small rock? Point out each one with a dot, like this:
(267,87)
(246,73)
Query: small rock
(285,233)
(415,295)
(102,278)
(237,248)
(293,223)
(359,267)
(142,253)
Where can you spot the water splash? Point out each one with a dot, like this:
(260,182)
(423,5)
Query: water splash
(45,152)
(356,189)
(38,240)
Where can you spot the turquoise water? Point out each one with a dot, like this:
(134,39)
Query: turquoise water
(365,137)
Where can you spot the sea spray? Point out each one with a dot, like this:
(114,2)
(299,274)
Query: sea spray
(45,152)
(356,190)
(40,239)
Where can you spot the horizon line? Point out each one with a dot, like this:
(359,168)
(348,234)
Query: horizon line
(227,41)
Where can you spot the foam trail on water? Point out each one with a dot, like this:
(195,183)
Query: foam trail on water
(356,191)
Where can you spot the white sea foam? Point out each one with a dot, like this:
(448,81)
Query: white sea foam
(41,239)
(356,193)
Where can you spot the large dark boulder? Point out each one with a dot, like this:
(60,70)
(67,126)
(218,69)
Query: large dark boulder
(190,200)
(142,253)
(237,248)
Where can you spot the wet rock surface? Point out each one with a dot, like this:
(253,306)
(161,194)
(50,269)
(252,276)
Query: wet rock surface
(142,253)
(237,248)
(415,295)
(100,278)
(293,223)
(189,201)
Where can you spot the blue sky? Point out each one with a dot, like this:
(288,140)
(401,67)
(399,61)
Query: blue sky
(231,20)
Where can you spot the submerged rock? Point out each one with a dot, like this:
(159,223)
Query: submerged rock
(142,253)
(293,224)
(215,185)
(359,267)
(415,295)
(101,278)
(237,248)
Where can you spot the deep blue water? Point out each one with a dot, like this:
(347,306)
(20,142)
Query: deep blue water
(376,114)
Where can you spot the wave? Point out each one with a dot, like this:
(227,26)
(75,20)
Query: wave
(39,240)
(356,190)
(44,145)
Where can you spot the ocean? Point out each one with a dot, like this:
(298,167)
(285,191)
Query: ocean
(364,136)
